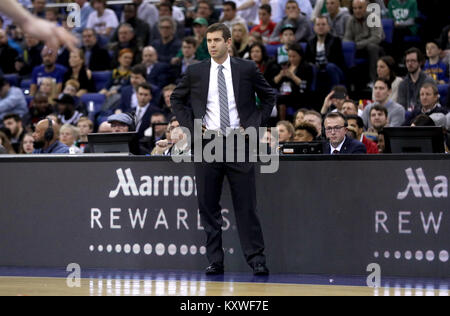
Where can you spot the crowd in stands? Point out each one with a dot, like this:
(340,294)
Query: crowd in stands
(330,61)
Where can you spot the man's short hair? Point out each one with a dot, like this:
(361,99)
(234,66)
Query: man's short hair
(293,2)
(418,52)
(267,8)
(167,5)
(352,102)
(309,128)
(168,19)
(385,81)
(379,108)
(190,40)
(315,113)
(13,116)
(139,70)
(358,119)
(87,120)
(231,4)
(430,85)
(226,33)
(145,86)
(334,115)
(321,17)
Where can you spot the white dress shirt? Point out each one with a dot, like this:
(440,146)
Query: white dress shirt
(140,115)
(212,117)
(338,148)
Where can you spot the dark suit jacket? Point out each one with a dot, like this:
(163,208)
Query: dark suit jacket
(350,146)
(146,119)
(190,97)
(100,59)
(126,94)
(333,50)
(160,75)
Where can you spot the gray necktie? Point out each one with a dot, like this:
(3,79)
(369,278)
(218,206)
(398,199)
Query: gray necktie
(223,100)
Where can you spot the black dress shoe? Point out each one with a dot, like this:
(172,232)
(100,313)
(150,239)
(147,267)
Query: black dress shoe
(214,269)
(260,269)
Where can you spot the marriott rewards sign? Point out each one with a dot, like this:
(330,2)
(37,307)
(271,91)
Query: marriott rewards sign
(318,216)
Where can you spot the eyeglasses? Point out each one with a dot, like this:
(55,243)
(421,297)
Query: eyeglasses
(334,129)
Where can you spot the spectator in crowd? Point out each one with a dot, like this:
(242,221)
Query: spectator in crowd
(429,99)
(294,82)
(31,57)
(381,142)
(49,69)
(230,16)
(385,70)
(96,57)
(147,12)
(8,55)
(68,135)
(304,5)
(5,145)
(13,123)
(126,39)
(165,101)
(105,128)
(205,10)
(404,13)
(65,106)
(299,22)
(338,143)
(158,73)
(314,118)
(86,10)
(12,100)
(79,72)
(350,107)
(27,144)
(356,124)
(121,75)
(51,15)
(248,10)
(121,123)
(305,133)
(166,11)
(367,39)
(434,66)
(266,25)
(335,100)
(38,8)
(240,39)
(158,127)
(168,46)
(258,54)
(104,21)
(144,110)
(177,12)
(287,37)
(299,117)
(86,127)
(409,89)
(72,88)
(46,137)
(382,92)
(140,27)
(422,120)
(200,25)
(188,49)
(163,147)
(40,108)
(129,99)
(49,87)
(325,51)
(378,119)
(337,17)
(286,131)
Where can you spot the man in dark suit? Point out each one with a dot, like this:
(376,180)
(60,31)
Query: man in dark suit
(220,92)
(97,58)
(158,74)
(145,109)
(338,143)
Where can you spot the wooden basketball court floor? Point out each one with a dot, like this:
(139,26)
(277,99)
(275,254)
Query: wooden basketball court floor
(52,282)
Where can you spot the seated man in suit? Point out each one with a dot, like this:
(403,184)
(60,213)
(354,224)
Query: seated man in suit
(97,58)
(338,143)
(144,110)
(158,74)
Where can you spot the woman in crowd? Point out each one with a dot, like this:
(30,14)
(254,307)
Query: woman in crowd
(78,72)
(258,54)
(286,132)
(385,70)
(27,144)
(49,87)
(5,145)
(121,75)
(240,39)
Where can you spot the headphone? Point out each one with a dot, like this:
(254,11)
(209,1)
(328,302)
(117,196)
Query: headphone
(133,117)
(49,133)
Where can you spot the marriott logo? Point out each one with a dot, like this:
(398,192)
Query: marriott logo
(419,186)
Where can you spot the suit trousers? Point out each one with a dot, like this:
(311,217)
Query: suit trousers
(241,177)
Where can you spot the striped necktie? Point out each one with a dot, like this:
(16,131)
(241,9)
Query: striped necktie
(223,100)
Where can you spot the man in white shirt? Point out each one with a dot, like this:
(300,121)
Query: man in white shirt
(230,16)
(104,21)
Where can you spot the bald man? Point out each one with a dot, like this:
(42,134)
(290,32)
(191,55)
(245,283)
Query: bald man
(158,74)
(367,39)
(46,137)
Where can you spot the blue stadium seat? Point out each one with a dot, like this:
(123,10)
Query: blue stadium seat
(272,50)
(12,79)
(443,92)
(29,98)
(304,45)
(349,50)
(388,27)
(101,78)
(25,86)
(94,103)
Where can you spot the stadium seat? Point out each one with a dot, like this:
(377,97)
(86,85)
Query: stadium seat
(94,103)
(443,93)
(101,78)
(388,27)
(272,50)
(29,98)
(12,79)
(25,86)
(349,50)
